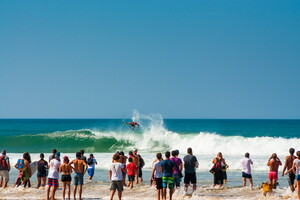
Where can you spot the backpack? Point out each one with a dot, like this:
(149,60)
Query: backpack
(3,164)
(218,165)
(90,161)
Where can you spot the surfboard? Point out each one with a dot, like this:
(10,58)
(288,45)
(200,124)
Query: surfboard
(33,167)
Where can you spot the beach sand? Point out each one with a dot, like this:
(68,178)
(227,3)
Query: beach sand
(100,190)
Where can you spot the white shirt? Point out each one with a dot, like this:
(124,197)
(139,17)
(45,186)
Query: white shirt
(158,171)
(53,169)
(246,165)
(116,171)
(297,165)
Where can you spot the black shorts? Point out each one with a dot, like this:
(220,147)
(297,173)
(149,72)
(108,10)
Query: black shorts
(66,178)
(224,175)
(140,172)
(190,178)
(158,183)
(130,177)
(245,175)
(291,178)
(41,174)
(218,178)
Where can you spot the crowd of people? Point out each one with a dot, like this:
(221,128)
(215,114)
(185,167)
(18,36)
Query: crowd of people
(167,173)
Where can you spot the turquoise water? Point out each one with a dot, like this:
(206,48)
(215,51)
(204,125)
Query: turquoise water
(108,135)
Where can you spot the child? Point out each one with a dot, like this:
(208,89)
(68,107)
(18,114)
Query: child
(131,169)
(116,177)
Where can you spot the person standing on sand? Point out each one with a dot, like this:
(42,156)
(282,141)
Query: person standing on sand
(273,163)
(178,167)
(65,169)
(135,160)
(82,156)
(218,162)
(296,169)
(157,175)
(42,166)
(287,166)
(23,165)
(116,176)
(246,169)
(123,160)
(53,176)
(140,167)
(131,168)
(52,155)
(79,167)
(190,165)
(4,169)
(167,179)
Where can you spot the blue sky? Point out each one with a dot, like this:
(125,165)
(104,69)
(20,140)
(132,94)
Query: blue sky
(181,59)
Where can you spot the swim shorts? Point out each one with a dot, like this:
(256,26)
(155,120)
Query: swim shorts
(66,178)
(131,177)
(168,181)
(190,178)
(91,171)
(41,174)
(52,182)
(298,177)
(116,185)
(245,175)
(273,175)
(158,183)
(4,174)
(291,178)
(78,179)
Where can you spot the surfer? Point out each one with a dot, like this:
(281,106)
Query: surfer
(132,125)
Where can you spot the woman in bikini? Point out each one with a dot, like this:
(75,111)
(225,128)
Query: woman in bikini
(66,178)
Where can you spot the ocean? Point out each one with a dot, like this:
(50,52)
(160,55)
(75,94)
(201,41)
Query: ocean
(207,137)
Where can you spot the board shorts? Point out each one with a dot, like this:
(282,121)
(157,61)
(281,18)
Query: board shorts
(245,175)
(190,178)
(158,183)
(177,180)
(298,177)
(131,177)
(66,178)
(52,182)
(4,174)
(116,185)
(218,178)
(91,171)
(78,179)
(42,174)
(273,175)
(168,181)
(291,178)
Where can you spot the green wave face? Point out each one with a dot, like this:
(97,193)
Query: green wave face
(67,141)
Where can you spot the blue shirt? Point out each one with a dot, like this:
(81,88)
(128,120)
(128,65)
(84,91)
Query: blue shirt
(167,166)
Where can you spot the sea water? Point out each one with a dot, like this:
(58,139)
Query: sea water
(207,137)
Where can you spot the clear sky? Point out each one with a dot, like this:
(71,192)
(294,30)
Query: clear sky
(181,59)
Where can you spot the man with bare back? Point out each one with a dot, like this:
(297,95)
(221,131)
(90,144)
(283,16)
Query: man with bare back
(274,163)
(288,165)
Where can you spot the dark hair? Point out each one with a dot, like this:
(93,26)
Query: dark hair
(81,151)
(274,155)
(159,156)
(247,155)
(177,152)
(130,153)
(121,153)
(78,155)
(167,154)
(26,156)
(116,157)
(4,152)
(91,155)
(190,151)
(54,151)
(42,155)
(292,151)
(130,159)
(298,154)
(173,153)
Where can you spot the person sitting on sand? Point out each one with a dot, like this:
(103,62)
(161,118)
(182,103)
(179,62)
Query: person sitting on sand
(42,166)
(65,169)
(287,166)
(79,167)
(53,176)
(167,179)
(116,176)
(157,174)
(246,169)
(273,163)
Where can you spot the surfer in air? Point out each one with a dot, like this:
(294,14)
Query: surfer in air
(132,125)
